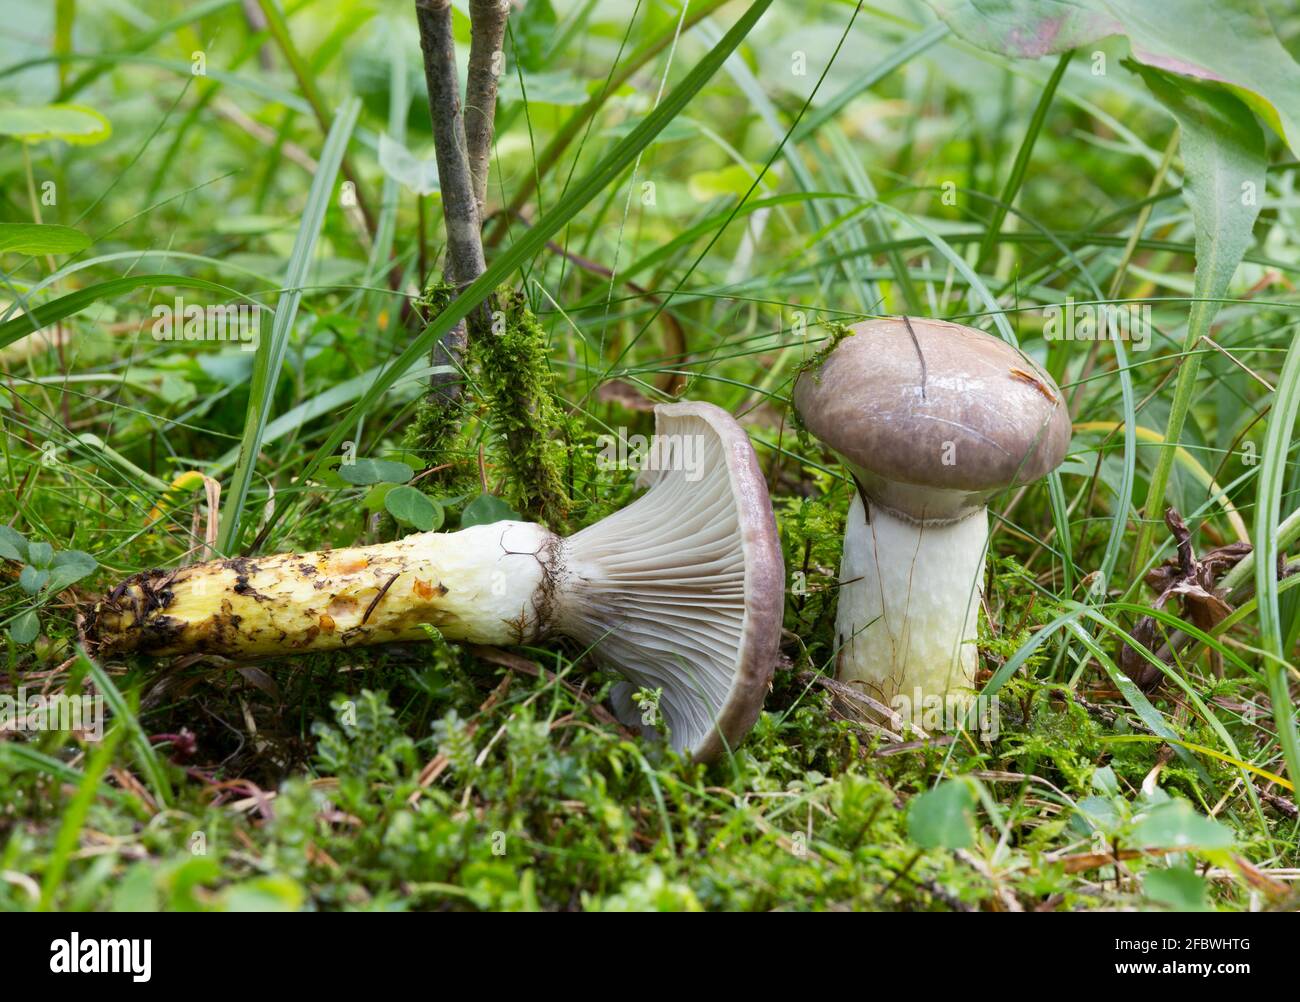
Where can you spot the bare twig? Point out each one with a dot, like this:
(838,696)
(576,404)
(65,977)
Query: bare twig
(257,21)
(487,29)
(460,211)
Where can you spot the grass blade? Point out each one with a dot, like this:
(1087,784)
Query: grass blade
(1223,153)
(271,351)
(147,755)
(1017,176)
(1277,442)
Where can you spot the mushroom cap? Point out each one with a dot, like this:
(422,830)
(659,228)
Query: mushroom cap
(683,590)
(940,408)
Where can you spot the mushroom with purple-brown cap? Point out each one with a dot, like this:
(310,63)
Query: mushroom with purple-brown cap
(932,419)
(681,591)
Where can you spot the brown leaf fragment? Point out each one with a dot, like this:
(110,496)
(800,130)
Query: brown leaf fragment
(1193,582)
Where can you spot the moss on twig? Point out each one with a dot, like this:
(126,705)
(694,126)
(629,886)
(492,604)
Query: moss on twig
(513,374)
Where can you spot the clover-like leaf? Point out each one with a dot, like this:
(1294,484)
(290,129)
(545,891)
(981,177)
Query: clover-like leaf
(486,509)
(32,579)
(943,818)
(364,472)
(410,507)
(24,629)
(70,566)
(13,545)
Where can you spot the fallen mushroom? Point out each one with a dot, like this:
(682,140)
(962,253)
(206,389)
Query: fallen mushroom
(932,419)
(682,590)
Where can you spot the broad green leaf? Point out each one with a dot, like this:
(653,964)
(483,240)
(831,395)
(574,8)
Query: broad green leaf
(1178,888)
(411,507)
(13,545)
(418,174)
(39,554)
(1223,152)
(1104,781)
(1095,814)
(69,567)
(32,579)
(559,88)
(1175,824)
(1026,29)
(41,238)
(374,499)
(25,628)
(943,818)
(1229,41)
(73,123)
(486,509)
(375,471)
(733,180)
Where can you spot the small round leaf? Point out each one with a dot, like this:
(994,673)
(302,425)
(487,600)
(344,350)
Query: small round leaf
(32,579)
(486,509)
(364,472)
(25,628)
(409,507)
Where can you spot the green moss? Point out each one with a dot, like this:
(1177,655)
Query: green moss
(513,376)
(812,536)
(435,428)
(835,333)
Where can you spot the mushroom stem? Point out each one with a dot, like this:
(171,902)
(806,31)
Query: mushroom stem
(483,584)
(909,606)
(681,591)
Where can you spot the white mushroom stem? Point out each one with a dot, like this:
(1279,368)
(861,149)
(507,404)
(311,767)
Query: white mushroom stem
(909,607)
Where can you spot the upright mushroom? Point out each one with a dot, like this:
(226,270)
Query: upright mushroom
(682,590)
(932,419)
